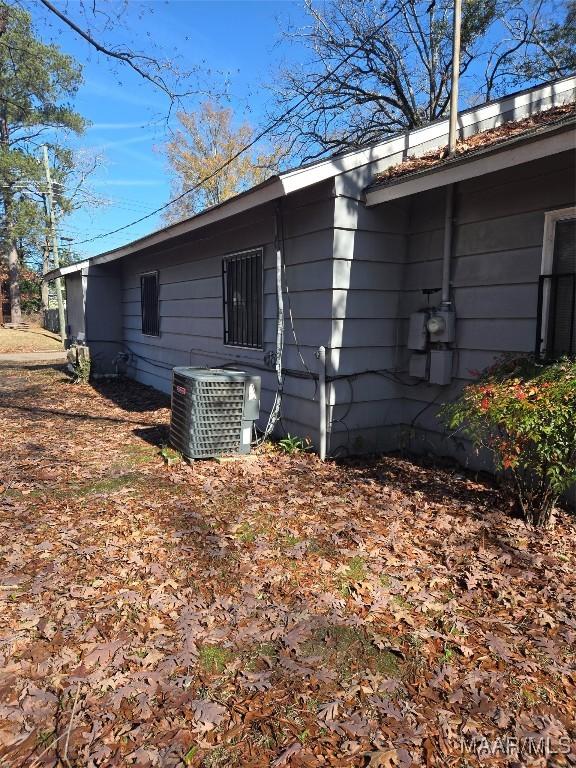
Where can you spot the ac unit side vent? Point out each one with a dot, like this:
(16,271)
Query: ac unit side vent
(213,411)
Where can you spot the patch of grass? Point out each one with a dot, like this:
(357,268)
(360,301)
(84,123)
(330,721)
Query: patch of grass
(170,455)
(29,340)
(190,754)
(530,697)
(213,658)
(107,484)
(402,601)
(45,737)
(287,540)
(219,757)
(246,533)
(138,454)
(448,653)
(348,650)
(255,655)
(355,572)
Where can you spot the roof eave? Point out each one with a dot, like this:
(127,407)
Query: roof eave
(515,151)
(269,190)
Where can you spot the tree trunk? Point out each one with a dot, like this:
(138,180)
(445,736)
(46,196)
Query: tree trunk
(13,281)
(45,297)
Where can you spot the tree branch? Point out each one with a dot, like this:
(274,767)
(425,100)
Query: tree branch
(126,57)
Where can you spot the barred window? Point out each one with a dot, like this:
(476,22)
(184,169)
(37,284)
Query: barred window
(242,291)
(557,290)
(149,293)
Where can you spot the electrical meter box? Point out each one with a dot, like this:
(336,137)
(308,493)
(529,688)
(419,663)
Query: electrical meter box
(441,366)
(441,325)
(417,332)
(418,365)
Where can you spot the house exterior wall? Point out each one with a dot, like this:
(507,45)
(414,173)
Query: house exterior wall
(369,257)
(75,325)
(191,301)
(498,236)
(103,316)
(352,275)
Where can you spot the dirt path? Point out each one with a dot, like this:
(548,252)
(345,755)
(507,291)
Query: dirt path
(278,612)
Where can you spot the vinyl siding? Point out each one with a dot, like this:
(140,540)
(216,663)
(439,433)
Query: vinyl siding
(74,305)
(394,252)
(499,227)
(191,303)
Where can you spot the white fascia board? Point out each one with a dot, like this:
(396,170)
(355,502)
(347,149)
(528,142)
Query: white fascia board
(495,159)
(239,204)
(410,141)
(63,271)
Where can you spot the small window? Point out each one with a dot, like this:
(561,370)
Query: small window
(242,283)
(557,290)
(149,303)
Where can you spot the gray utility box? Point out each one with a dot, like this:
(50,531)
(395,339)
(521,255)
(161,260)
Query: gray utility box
(213,411)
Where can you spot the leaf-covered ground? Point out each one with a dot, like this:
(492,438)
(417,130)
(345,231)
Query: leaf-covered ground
(269,612)
(32,339)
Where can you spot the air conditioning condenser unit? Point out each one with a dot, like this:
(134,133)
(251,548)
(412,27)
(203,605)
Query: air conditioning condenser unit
(213,411)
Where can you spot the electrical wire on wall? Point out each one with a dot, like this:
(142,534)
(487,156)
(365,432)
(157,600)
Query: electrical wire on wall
(277,404)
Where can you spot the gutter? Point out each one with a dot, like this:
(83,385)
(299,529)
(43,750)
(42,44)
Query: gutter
(388,190)
(558,92)
(269,190)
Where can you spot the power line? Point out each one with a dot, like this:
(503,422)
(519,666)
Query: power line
(248,146)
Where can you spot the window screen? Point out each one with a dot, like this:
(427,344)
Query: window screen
(149,301)
(242,283)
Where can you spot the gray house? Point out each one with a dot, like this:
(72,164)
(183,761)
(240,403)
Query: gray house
(411,274)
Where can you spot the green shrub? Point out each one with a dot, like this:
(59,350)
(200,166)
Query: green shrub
(524,413)
(292,444)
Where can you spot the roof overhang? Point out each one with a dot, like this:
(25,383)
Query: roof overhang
(269,190)
(415,142)
(521,149)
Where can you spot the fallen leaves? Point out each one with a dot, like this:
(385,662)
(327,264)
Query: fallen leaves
(279,612)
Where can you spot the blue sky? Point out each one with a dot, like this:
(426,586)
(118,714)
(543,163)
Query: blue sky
(238,39)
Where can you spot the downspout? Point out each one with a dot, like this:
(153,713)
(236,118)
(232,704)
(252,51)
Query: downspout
(321,355)
(447,254)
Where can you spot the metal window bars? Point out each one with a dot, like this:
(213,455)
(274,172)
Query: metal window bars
(242,287)
(149,297)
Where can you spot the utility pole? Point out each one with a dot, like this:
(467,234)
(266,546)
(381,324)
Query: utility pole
(54,237)
(453,129)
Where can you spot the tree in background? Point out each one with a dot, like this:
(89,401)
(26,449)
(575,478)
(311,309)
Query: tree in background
(204,142)
(36,82)
(393,64)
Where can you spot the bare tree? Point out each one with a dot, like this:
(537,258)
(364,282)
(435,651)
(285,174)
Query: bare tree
(94,20)
(396,58)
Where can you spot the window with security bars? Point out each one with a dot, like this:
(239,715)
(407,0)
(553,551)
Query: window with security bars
(557,293)
(242,290)
(149,294)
